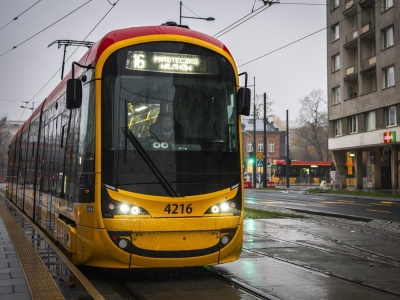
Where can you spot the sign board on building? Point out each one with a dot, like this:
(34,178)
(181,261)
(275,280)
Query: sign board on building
(389,136)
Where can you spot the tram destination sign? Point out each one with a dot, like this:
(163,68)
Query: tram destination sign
(163,62)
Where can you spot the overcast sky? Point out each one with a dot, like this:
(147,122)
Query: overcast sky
(31,70)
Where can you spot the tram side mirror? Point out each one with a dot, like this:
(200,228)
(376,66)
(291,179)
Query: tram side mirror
(243,101)
(74,93)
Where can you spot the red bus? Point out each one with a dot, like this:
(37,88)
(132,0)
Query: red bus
(301,172)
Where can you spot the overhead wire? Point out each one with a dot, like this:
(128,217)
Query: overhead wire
(51,25)
(16,18)
(112,6)
(300,39)
(248,16)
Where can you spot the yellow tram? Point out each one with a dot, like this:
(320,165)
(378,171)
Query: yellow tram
(114,185)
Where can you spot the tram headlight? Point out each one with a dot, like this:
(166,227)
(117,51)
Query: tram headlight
(111,207)
(215,209)
(223,208)
(135,210)
(124,208)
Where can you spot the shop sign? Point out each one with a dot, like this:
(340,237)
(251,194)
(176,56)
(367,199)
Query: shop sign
(389,136)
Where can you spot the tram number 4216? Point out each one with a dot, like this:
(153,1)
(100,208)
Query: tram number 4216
(175,209)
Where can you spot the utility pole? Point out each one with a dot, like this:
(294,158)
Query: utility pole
(265,143)
(254,140)
(287,149)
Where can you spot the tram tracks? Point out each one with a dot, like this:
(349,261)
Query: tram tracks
(199,283)
(298,239)
(171,283)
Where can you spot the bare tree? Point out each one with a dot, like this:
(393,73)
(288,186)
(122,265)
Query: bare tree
(259,106)
(313,130)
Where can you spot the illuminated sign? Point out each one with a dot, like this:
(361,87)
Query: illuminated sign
(389,136)
(170,63)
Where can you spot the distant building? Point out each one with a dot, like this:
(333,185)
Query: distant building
(363,48)
(275,140)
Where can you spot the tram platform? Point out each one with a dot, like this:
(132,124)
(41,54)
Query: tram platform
(23,274)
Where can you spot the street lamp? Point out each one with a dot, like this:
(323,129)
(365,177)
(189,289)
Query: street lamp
(180,16)
(31,108)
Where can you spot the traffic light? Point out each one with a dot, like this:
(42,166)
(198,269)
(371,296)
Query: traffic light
(251,160)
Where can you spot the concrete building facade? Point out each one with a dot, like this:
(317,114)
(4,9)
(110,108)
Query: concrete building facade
(363,45)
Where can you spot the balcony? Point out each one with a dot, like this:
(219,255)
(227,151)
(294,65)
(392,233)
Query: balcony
(350,8)
(367,27)
(351,72)
(351,39)
(368,64)
(351,93)
(366,3)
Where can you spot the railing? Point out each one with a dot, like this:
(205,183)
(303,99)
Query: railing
(368,25)
(348,4)
(351,92)
(368,63)
(351,36)
(367,3)
(351,70)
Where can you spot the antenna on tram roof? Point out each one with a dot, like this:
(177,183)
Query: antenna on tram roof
(67,43)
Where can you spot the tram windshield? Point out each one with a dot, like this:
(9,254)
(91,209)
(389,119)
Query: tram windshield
(176,102)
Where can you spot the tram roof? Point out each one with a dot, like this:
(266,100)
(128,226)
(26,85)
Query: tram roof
(92,55)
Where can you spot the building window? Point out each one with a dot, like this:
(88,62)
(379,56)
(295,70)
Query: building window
(336,95)
(249,147)
(334,4)
(353,124)
(388,37)
(260,147)
(370,121)
(335,32)
(271,147)
(386,4)
(338,127)
(390,116)
(335,63)
(388,77)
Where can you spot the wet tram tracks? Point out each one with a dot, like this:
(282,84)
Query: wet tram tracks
(170,283)
(348,251)
(323,246)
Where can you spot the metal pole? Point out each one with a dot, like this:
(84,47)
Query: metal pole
(265,143)
(180,13)
(254,139)
(287,149)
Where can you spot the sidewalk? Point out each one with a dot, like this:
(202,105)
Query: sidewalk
(12,280)
(23,274)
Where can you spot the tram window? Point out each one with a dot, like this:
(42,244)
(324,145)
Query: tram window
(136,89)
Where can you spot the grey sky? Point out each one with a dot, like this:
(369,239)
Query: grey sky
(285,75)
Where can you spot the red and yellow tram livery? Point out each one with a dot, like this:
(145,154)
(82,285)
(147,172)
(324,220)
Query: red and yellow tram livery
(97,168)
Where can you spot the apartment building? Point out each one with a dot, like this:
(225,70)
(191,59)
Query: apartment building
(363,47)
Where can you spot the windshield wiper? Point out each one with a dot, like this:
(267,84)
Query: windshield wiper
(142,152)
